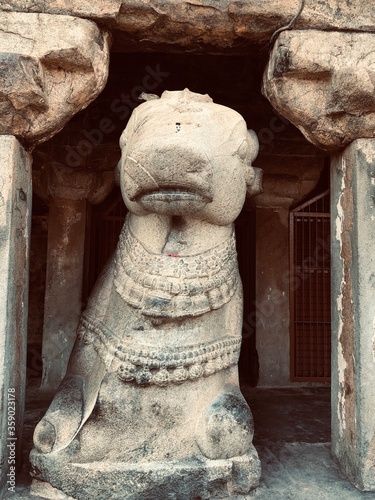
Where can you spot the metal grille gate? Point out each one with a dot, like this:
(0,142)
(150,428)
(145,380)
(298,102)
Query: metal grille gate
(310,294)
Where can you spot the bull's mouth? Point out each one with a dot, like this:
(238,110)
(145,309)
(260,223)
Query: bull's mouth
(173,194)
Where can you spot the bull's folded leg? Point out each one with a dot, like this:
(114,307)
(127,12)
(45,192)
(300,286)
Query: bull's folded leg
(73,402)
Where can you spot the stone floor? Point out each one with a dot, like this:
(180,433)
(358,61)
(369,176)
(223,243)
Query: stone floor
(292,437)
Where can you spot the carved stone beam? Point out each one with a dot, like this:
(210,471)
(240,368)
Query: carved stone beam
(324,83)
(51,67)
(217,25)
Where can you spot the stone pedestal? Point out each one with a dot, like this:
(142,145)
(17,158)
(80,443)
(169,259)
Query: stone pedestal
(194,478)
(15,212)
(66,248)
(353,312)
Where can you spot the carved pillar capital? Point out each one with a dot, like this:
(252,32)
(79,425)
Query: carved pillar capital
(51,67)
(59,181)
(324,83)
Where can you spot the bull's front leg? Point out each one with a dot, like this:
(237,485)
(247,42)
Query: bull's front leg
(73,402)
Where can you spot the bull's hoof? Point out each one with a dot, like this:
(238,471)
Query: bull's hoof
(44,436)
(63,419)
(225,429)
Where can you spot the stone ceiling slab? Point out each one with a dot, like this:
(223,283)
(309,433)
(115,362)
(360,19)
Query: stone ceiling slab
(210,25)
(51,67)
(324,83)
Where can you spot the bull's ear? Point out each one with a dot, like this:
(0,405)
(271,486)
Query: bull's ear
(124,139)
(117,173)
(253,175)
(253,144)
(129,129)
(254,181)
(148,97)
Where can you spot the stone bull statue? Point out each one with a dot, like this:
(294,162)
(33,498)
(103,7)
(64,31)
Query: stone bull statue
(150,407)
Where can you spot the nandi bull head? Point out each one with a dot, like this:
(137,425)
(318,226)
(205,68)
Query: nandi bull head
(183,154)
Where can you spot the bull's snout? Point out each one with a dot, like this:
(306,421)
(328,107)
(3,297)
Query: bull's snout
(174,168)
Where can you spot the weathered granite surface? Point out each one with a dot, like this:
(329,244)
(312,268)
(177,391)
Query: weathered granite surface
(324,83)
(217,25)
(150,406)
(51,67)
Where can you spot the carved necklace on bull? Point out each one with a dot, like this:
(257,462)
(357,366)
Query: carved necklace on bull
(175,287)
(168,288)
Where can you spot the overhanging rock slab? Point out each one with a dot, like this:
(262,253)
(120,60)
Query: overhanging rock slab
(324,83)
(51,67)
(217,25)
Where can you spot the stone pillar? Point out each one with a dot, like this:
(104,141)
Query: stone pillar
(62,309)
(272,296)
(322,82)
(15,212)
(68,192)
(353,312)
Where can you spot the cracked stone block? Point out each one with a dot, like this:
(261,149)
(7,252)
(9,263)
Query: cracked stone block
(51,67)
(324,83)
